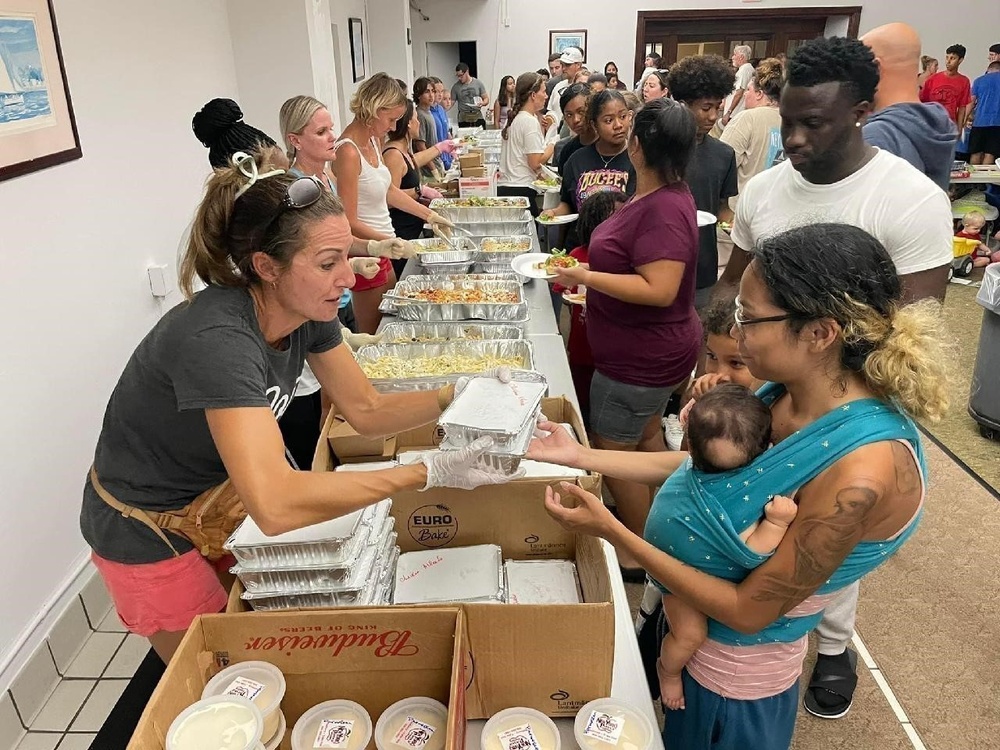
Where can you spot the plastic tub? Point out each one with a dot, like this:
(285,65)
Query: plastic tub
(344,724)
(258,681)
(516,727)
(279,735)
(203,725)
(608,722)
(412,724)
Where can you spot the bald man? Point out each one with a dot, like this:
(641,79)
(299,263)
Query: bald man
(922,134)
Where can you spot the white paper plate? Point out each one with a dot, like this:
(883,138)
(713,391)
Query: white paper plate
(524,264)
(557,220)
(705,219)
(574,299)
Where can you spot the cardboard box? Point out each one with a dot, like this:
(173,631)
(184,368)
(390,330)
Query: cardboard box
(553,658)
(373,656)
(468,172)
(471,159)
(345,441)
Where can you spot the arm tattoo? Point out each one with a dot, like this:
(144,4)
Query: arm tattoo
(821,544)
(907,474)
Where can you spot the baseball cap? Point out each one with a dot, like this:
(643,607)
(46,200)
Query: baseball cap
(571,55)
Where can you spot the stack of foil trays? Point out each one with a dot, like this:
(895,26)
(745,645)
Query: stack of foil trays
(349,561)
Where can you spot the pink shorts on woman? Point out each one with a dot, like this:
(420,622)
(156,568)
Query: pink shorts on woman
(165,595)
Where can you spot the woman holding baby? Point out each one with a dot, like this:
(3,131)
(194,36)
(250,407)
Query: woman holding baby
(846,369)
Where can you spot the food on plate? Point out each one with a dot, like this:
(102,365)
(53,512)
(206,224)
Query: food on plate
(575,298)
(556,261)
(545,217)
(461,296)
(445,364)
(548,182)
(725,226)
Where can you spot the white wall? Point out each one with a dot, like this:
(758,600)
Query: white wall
(76,241)
(523,45)
(441,59)
(340,12)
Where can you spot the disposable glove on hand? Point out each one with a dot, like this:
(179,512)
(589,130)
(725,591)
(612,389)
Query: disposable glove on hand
(393,248)
(365,267)
(358,340)
(500,373)
(440,224)
(461,468)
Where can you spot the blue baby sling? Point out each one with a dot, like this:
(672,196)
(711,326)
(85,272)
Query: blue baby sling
(697,517)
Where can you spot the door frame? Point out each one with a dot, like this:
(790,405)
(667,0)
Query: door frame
(738,14)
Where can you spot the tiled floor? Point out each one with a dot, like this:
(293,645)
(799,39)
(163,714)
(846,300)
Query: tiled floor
(62,697)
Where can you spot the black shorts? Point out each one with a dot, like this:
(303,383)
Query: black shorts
(985,141)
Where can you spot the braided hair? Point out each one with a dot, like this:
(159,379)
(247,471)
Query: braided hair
(219,126)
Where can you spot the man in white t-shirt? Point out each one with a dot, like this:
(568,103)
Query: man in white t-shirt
(744,74)
(832,175)
(572,61)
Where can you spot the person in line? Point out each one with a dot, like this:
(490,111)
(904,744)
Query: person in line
(364,184)
(727,428)
(744,72)
(470,95)
(950,88)
(523,149)
(572,61)
(615,83)
(849,368)
(701,82)
(901,124)
(423,99)
(655,86)
(643,331)
(504,100)
(555,72)
(597,82)
(191,431)
(611,71)
(984,141)
(755,134)
(831,174)
(928,67)
(574,107)
(441,120)
(652,62)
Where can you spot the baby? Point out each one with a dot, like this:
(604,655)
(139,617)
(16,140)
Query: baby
(728,427)
(972,229)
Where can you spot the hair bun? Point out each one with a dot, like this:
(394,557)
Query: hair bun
(214,119)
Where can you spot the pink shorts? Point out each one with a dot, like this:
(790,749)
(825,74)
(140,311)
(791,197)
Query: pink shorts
(165,595)
(361,284)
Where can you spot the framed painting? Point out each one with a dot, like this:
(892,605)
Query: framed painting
(37,126)
(357,35)
(561,39)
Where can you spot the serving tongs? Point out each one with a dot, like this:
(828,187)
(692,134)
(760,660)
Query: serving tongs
(439,232)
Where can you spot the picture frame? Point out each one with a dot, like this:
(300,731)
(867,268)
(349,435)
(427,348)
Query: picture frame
(560,39)
(357,36)
(37,125)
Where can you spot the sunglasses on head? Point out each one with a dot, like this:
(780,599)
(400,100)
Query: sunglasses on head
(301,193)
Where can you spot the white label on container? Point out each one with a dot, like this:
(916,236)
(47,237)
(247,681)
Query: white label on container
(604,727)
(413,734)
(519,738)
(244,688)
(334,733)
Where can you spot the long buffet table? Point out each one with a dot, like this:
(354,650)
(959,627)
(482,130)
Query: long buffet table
(628,678)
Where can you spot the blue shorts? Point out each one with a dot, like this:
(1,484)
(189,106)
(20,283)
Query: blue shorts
(711,722)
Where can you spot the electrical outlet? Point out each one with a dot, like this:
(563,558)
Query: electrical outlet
(159,283)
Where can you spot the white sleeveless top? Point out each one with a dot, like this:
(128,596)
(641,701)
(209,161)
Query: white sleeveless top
(373,187)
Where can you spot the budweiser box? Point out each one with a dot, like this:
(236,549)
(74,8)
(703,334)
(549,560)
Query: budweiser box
(373,656)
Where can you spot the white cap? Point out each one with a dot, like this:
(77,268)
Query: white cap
(571,55)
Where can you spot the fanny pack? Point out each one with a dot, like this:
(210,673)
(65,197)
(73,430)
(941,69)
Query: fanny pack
(207,521)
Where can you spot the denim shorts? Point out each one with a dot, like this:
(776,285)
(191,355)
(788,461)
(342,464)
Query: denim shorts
(619,411)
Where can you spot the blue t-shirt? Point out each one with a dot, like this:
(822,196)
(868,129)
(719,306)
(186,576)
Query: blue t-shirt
(986,90)
(441,120)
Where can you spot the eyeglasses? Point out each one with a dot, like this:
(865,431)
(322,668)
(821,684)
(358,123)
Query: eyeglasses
(742,321)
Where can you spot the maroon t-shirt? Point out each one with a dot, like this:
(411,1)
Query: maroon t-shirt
(639,344)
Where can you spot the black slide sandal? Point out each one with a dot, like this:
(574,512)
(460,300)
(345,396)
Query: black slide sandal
(831,687)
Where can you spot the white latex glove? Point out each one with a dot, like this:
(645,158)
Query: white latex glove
(430,193)
(500,373)
(366,267)
(357,340)
(460,468)
(439,223)
(393,248)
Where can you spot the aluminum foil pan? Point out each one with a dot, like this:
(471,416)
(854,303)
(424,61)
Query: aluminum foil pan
(521,226)
(456,574)
(498,209)
(322,578)
(459,268)
(506,312)
(497,249)
(489,408)
(364,594)
(430,248)
(330,543)
(542,582)
(445,257)
(491,272)
(505,457)
(394,368)
(417,333)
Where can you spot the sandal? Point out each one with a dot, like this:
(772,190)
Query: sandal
(831,687)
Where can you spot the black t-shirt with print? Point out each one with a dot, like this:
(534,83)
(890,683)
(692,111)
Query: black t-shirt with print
(587,172)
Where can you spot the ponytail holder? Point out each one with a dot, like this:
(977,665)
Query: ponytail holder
(247,165)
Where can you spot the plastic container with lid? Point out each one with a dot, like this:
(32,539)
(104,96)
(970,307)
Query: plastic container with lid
(223,721)
(606,723)
(520,729)
(337,724)
(412,724)
(279,734)
(258,681)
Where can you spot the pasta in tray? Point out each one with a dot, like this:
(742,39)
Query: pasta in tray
(461,296)
(444,364)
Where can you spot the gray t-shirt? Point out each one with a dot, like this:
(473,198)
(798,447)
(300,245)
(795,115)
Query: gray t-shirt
(465,94)
(428,127)
(155,450)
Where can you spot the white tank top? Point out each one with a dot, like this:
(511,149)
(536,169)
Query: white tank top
(373,187)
